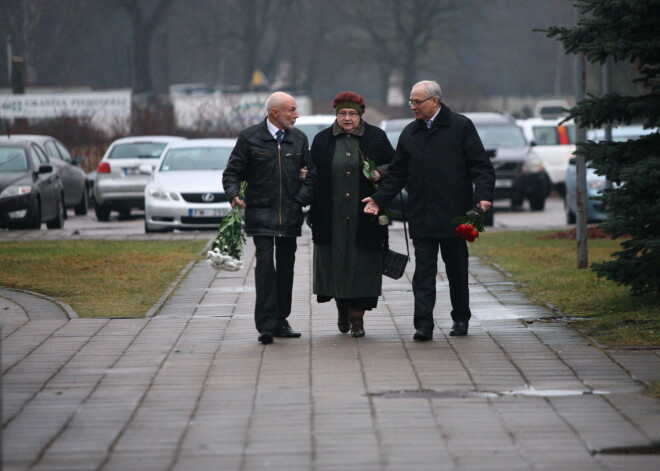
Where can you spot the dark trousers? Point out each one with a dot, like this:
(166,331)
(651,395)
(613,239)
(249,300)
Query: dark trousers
(454,254)
(273,274)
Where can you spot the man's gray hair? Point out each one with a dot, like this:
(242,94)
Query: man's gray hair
(431,88)
(273,101)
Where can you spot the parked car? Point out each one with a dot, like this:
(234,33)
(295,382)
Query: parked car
(393,128)
(554,143)
(185,190)
(313,124)
(519,171)
(121,175)
(31,190)
(595,183)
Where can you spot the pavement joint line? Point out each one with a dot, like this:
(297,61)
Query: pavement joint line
(170,289)
(55,373)
(140,401)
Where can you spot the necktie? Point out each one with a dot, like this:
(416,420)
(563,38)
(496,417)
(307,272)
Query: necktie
(428,123)
(279,135)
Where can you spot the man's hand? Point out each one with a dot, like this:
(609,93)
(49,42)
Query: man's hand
(371,207)
(376,176)
(303,173)
(237,202)
(485,205)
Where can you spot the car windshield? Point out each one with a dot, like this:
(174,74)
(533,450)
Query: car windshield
(495,137)
(137,150)
(13,159)
(197,158)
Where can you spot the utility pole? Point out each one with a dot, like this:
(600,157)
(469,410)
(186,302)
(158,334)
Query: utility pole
(607,88)
(580,163)
(9,56)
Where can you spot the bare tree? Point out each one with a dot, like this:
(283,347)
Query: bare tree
(144,26)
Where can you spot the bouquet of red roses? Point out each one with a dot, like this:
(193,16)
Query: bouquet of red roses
(470,224)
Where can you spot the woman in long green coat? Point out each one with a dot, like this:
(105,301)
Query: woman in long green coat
(351,156)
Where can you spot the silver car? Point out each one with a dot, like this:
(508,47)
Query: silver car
(124,171)
(185,191)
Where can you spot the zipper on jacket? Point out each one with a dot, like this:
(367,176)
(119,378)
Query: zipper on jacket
(279,165)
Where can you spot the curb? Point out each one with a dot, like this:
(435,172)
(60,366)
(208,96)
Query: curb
(68,310)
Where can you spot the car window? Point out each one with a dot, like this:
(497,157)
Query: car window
(494,137)
(137,150)
(40,154)
(63,152)
(51,150)
(200,158)
(311,130)
(13,159)
(546,135)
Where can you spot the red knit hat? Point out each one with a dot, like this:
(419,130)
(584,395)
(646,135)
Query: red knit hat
(349,100)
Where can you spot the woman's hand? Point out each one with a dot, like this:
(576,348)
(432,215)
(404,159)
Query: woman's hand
(303,173)
(375,176)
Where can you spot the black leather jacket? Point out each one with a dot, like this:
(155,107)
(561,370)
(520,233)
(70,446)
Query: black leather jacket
(275,194)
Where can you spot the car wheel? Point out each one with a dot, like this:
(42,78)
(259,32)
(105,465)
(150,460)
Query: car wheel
(570,216)
(102,212)
(125,213)
(517,201)
(537,204)
(81,208)
(58,221)
(34,221)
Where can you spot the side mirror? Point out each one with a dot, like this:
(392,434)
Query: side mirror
(491,153)
(45,168)
(571,161)
(532,143)
(145,169)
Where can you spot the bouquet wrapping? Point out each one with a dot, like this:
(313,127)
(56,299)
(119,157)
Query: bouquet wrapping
(227,248)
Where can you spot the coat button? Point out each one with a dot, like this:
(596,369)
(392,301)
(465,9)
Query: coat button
(348,174)
(347,195)
(348,154)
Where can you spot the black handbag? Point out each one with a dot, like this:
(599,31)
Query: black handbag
(394,263)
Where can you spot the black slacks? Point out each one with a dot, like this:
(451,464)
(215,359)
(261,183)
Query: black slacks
(273,274)
(454,254)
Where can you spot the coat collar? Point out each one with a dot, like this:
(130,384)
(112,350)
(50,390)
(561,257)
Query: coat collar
(359,131)
(264,133)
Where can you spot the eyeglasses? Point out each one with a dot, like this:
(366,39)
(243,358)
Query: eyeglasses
(351,114)
(418,102)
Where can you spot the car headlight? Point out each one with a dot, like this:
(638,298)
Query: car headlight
(15,190)
(157,194)
(532,165)
(596,183)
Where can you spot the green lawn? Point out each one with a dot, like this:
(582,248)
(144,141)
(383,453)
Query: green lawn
(97,278)
(546,270)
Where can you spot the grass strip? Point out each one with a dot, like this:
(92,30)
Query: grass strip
(546,270)
(97,278)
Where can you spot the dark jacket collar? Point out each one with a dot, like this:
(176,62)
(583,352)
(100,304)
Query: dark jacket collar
(264,132)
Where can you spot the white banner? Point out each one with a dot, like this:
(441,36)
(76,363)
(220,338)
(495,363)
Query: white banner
(99,105)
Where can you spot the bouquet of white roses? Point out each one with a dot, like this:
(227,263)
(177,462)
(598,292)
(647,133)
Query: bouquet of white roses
(227,248)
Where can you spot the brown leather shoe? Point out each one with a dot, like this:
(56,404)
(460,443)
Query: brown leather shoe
(357,326)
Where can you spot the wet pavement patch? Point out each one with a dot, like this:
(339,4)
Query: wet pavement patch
(652,449)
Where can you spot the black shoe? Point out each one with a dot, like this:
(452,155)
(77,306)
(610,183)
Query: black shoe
(285,330)
(266,337)
(459,329)
(343,323)
(423,335)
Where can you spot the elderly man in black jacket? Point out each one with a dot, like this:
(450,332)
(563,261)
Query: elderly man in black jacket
(442,160)
(269,156)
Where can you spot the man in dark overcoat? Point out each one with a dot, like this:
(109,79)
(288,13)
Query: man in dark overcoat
(442,160)
(269,156)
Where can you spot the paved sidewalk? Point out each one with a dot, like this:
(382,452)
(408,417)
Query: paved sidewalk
(190,388)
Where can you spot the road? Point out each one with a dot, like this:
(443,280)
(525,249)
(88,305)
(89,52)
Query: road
(133,227)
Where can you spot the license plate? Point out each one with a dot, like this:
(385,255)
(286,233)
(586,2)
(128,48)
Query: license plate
(131,171)
(206,213)
(503,183)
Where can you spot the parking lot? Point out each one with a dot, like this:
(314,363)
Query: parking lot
(552,217)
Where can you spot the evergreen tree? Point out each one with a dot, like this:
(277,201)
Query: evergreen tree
(626,30)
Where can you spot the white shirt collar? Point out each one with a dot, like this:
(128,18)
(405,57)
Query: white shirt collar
(272,128)
(430,121)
